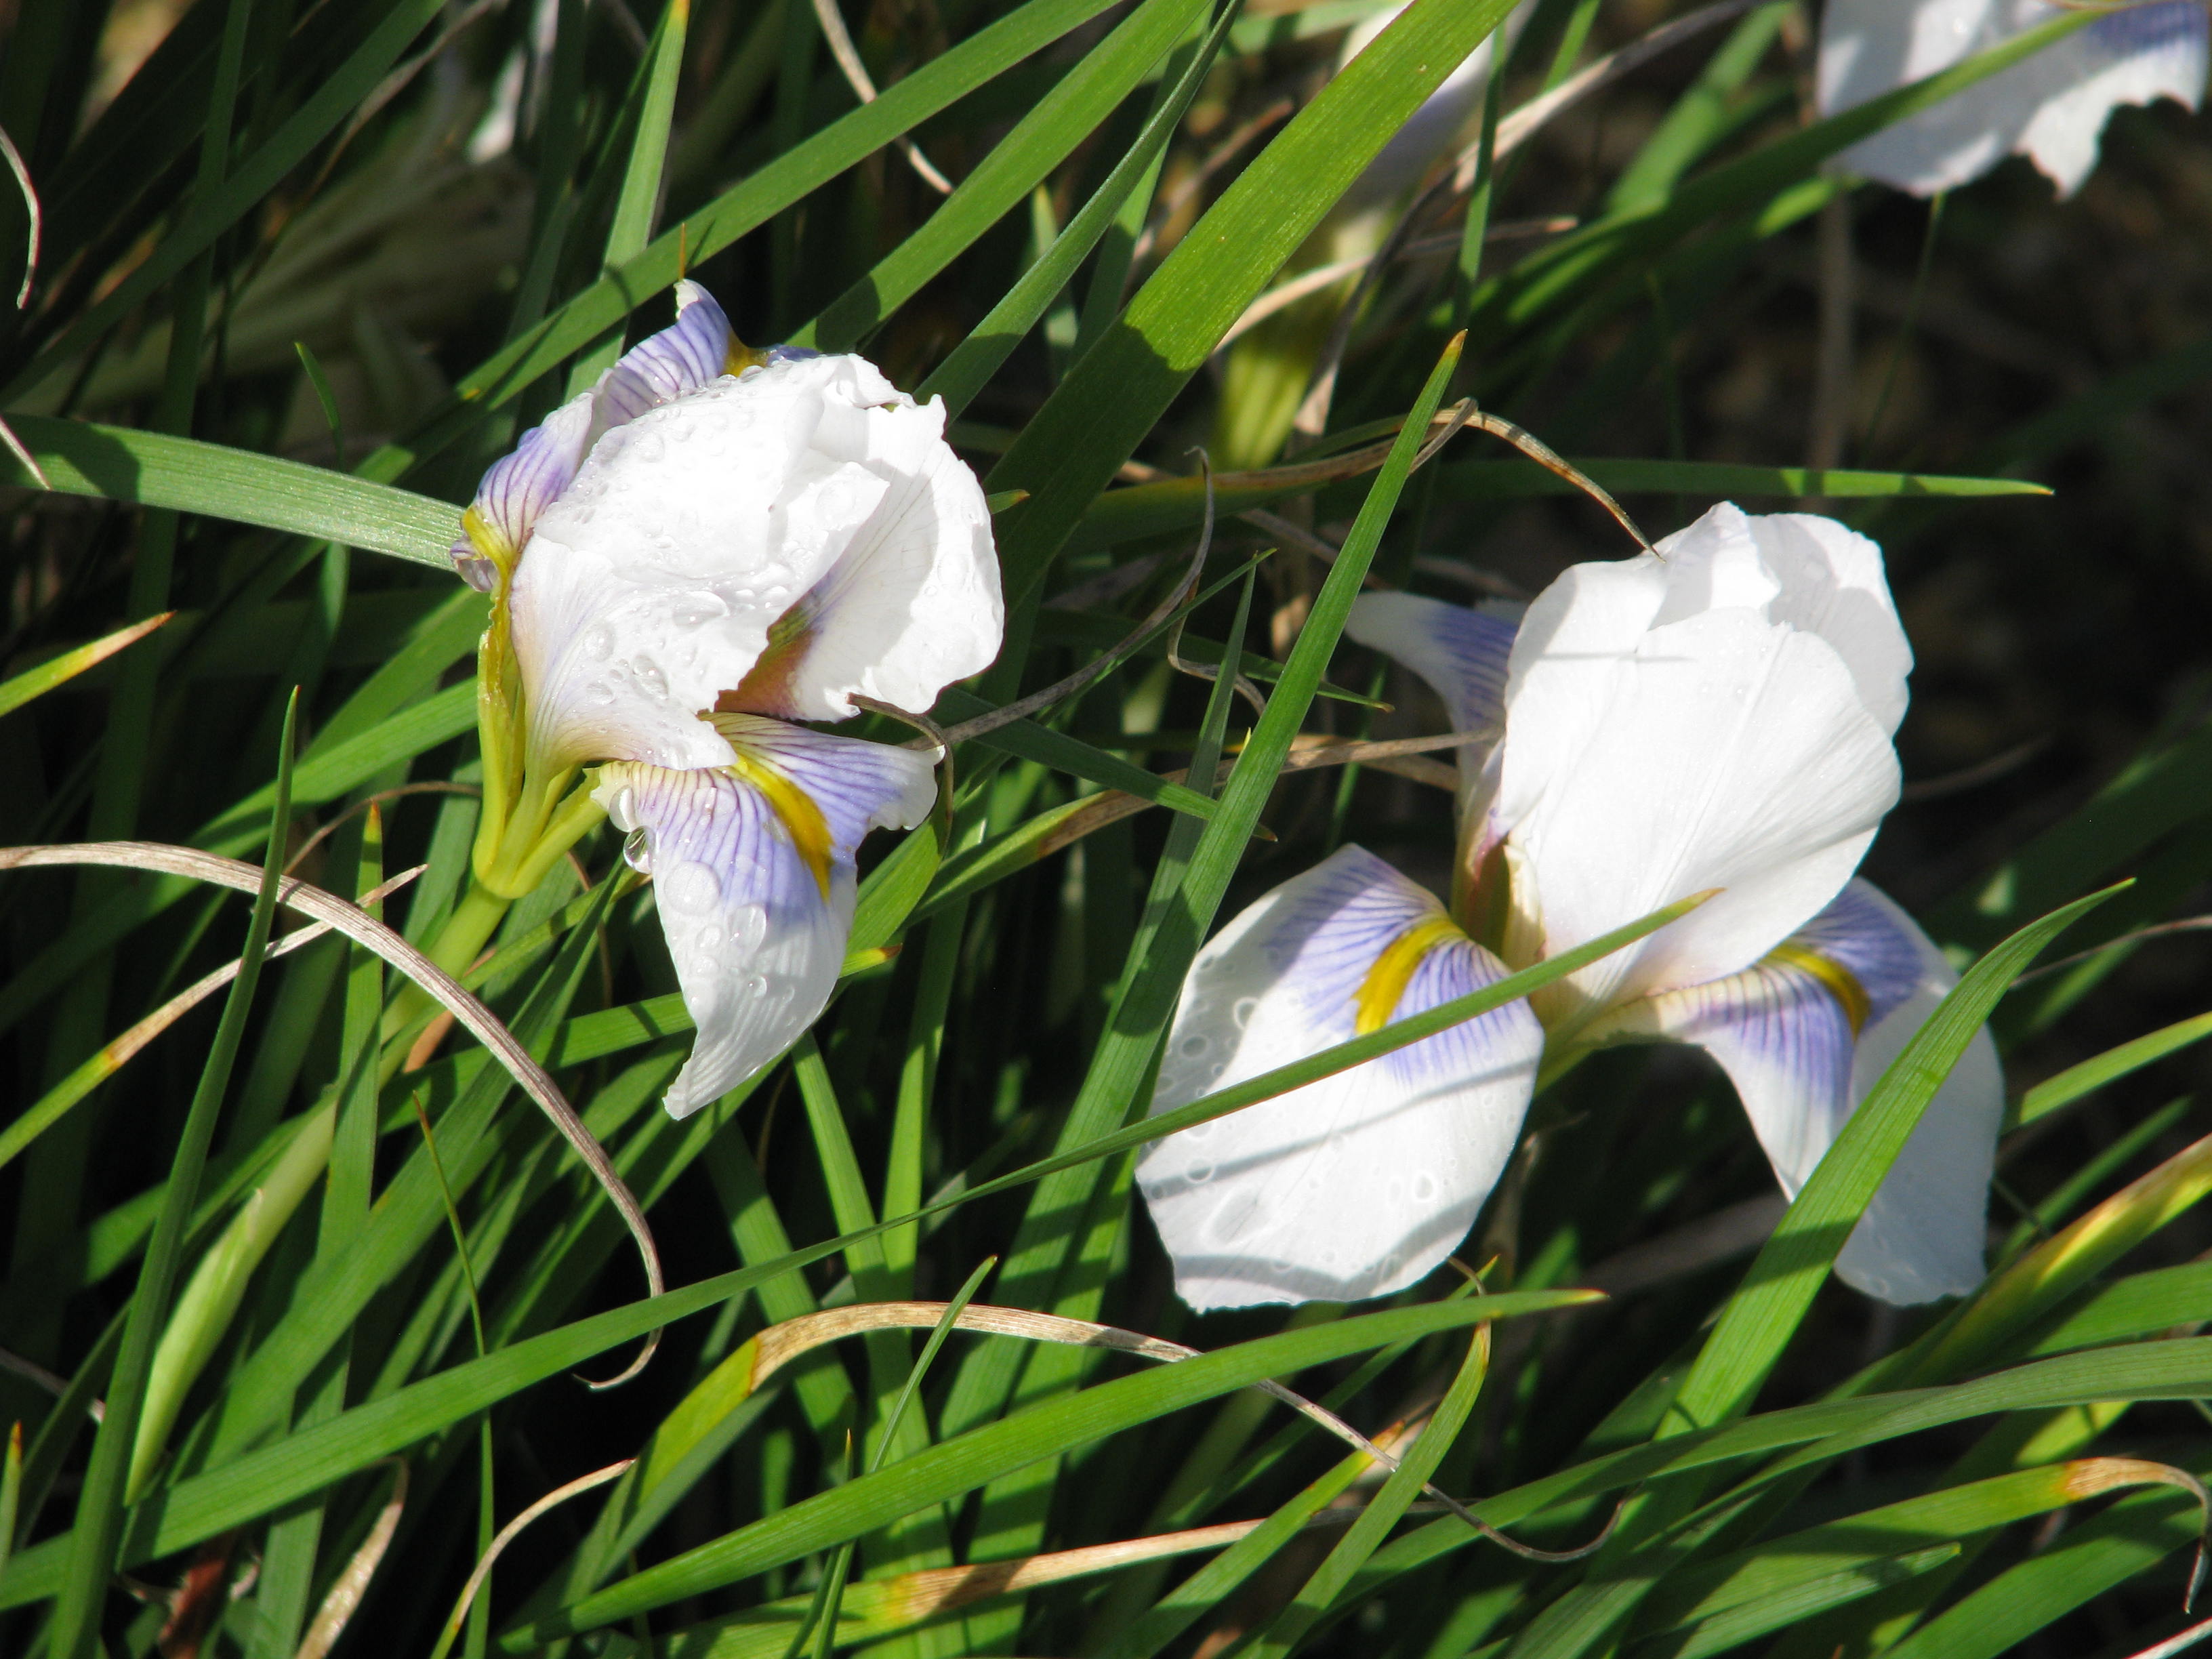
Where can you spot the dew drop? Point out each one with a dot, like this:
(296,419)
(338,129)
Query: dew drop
(599,693)
(757,987)
(1425,1189)
(648,448)
(708,938)
(1194,1046)
(625,808)
(649,676)
(1198,1173)
(690,886)
(636,853)
(479,574)
(599,643)
(697,609)
(1243,1010)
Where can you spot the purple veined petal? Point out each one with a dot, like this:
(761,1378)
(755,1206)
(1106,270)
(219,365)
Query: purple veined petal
(1803,1035)
(754,881)
(1358,1184)
(2051,107)
(693,351)
(519,487)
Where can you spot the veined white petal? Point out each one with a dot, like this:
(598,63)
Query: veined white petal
(1717,716)
(1803,1035)
(1360,1184)
(753,877)
(693,352)
(699,534)
(2052,107)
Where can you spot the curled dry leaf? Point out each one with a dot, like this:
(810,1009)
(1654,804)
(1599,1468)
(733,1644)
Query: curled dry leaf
(371,934)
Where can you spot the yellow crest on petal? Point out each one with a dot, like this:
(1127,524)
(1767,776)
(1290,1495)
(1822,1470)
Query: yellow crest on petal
(801,818)
(1376,999)
(1836,980)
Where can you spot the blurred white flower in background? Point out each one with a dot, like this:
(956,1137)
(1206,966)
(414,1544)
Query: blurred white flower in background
(2050,108)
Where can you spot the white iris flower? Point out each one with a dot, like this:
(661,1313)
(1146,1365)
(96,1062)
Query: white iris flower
(2051,107)
(1719,716)
(710,545)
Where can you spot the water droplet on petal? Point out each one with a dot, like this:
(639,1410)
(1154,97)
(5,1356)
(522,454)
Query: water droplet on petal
(636,853)
(708,938)
(691,887)
(599,694)
(1194,1046)
(479,574)
(1198,1173)
(1243,1010)
(599,643)
(649,677)
(697,609)
(1425,1189)
(757,987)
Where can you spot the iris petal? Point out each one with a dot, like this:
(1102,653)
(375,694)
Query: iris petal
(1358,1184)
(755,898)
(1804,1035)
(2051,107)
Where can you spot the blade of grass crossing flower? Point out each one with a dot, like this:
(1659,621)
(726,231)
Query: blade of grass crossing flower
(258,1482)
(639,193)
(978,358)
(1759,1320)
(98,1532)
(1381,1514)
(162,469)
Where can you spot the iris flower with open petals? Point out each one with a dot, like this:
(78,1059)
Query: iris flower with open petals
(1717,716)
(709,547)
(2051,107)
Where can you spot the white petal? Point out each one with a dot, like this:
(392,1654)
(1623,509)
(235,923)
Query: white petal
(2052,107)
(651,588)
(755,926)
(914,604)
(1694,721)
(519,486)
(1784,1037)
(1360,1184)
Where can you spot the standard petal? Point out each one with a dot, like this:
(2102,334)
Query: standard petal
(1685,722)
(518,487)
(912,604)
(1803,1035)
(755,889)
(2052,107)
(1358,1184)
(693,352)
(699,535)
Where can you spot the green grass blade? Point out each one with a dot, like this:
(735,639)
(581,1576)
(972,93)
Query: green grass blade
(1759,1320)
(154,469)
(1115,395)
(1085,97)
(977,358)
(98,1532)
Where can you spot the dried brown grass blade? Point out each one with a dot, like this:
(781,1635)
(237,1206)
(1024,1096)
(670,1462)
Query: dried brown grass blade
(367,931)
(779,1344)
(338,1606)
(582,1483)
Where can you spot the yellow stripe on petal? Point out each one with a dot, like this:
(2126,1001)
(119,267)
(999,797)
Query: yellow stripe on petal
(1386,981)
(487,538)
(1838,981)
(742,357)
(802,819)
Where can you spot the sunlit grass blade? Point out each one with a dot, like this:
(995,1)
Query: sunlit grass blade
(37,682)
(98,1532)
